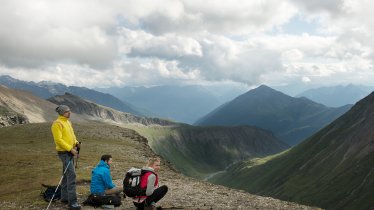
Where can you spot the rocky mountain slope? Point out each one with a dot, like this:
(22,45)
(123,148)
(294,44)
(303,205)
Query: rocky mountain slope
(32,108)
(25,169)
(9,117)
(290,119)
(94,111)
(333,169)
(19,107)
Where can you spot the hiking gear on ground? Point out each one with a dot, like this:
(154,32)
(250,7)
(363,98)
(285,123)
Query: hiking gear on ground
(99,200)
(47,194)
(58,186)
(101,179)
(132,180)
(74,206)
(63,134)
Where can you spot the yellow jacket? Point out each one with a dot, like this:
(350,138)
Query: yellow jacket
(63,134)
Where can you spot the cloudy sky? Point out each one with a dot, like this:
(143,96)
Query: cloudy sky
(97,43)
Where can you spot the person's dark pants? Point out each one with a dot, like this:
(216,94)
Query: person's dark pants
(157,195)
(68,183)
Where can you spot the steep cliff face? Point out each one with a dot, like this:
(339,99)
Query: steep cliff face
(199,151)
(97,112)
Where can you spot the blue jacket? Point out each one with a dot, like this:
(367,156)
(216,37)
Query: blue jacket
(101,179)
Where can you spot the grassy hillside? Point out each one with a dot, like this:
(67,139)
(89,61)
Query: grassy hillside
(199,151)
(334,169)
(28,157)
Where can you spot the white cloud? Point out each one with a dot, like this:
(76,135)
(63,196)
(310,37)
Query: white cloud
(146,42)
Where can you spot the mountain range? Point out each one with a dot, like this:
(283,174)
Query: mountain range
(46,89)
(333,169)
(290,119)
(181,103)
(336,96)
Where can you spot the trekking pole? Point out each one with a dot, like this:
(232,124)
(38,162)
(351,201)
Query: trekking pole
(78,149)
(59,182)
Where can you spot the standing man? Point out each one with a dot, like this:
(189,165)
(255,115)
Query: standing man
(66,146)
(149,182)
(101,180)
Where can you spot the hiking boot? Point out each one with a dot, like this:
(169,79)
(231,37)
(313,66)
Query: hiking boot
(74,206)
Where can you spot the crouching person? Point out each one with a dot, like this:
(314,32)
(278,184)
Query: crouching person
(149,182)
(103,191)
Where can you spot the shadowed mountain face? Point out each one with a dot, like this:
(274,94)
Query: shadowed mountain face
(49,89)
(337,95)
(199,151)
(291,119)
(333,169)
(101,113)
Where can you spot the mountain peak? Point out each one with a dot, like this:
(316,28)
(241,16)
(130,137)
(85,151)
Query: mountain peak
(265,91)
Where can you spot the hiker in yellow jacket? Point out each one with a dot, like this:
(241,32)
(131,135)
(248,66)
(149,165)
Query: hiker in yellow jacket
(66,146)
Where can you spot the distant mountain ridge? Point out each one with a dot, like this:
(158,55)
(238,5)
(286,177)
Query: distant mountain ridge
(336,96)
(19,107)
(181,103)
(47,89)
(333,169)
(94,111)
(291,119)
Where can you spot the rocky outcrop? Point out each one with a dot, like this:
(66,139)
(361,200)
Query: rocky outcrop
(9,118)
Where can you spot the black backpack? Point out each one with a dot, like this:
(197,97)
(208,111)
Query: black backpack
(131,182)
(49,191)
(99,200)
